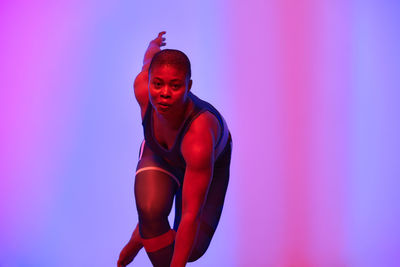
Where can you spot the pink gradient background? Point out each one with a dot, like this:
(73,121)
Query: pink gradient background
(310,90)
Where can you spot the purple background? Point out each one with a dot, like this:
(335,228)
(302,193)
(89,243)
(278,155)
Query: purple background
(310,90)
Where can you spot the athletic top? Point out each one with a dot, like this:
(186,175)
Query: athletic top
(174,155)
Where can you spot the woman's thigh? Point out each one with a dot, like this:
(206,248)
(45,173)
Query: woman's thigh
(154,192)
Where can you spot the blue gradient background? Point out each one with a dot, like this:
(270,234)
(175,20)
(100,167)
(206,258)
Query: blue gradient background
(310,91)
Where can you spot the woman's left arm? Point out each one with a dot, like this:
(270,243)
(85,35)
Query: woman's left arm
(198,152)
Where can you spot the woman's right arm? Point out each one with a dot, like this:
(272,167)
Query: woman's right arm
(142,79)
(152,49)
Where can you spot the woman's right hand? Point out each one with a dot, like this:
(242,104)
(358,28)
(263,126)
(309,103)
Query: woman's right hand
(152,49)
(159,40)
(128,253)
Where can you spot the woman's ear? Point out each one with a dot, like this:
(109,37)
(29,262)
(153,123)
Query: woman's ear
(190,85)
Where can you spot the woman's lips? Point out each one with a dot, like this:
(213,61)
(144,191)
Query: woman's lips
(163,106)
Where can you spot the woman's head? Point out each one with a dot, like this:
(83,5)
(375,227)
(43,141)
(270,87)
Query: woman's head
(169,81)
(172,57)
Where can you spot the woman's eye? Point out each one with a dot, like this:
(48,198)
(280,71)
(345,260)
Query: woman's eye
(175,86)
(157,84)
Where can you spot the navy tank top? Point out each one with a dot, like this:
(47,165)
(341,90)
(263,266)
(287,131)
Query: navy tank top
(174,154)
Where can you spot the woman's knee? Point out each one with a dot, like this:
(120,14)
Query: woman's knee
(154,194)
(153,220)
(149,212)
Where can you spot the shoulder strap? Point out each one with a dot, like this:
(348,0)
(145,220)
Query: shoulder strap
(196,111)
(147,114)
(200,107)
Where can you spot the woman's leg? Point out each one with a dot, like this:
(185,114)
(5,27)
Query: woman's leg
(154,194)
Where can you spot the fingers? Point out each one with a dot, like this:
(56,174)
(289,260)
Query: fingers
(160,40)
(163,42)
(161,33)
(122,263)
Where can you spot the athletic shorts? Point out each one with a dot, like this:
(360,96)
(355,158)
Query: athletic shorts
(148,160)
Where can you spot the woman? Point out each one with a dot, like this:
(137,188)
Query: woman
(185,154)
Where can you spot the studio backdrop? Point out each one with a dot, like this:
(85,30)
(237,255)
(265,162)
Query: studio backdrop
(310,90)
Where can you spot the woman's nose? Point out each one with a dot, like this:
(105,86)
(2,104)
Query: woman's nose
(165,92)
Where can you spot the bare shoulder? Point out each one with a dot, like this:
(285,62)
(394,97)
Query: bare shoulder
(200,139)
(205,124)
(141,91)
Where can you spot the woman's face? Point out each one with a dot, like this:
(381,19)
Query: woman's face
(168,88)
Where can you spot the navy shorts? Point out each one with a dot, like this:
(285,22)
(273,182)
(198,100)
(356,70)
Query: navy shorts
(148,160)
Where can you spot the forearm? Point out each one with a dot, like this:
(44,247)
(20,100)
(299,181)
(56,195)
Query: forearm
(152,49)
(135,238)
(184,241)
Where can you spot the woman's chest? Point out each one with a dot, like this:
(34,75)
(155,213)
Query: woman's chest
(164,136)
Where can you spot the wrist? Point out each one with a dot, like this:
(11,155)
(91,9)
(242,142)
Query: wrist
(136,238)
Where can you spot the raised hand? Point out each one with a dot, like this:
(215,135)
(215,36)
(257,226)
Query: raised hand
(159,40)
(154,47)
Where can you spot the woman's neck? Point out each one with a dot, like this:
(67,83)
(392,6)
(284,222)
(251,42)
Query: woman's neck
(174,120)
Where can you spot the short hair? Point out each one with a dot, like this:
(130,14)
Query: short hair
(172,57)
